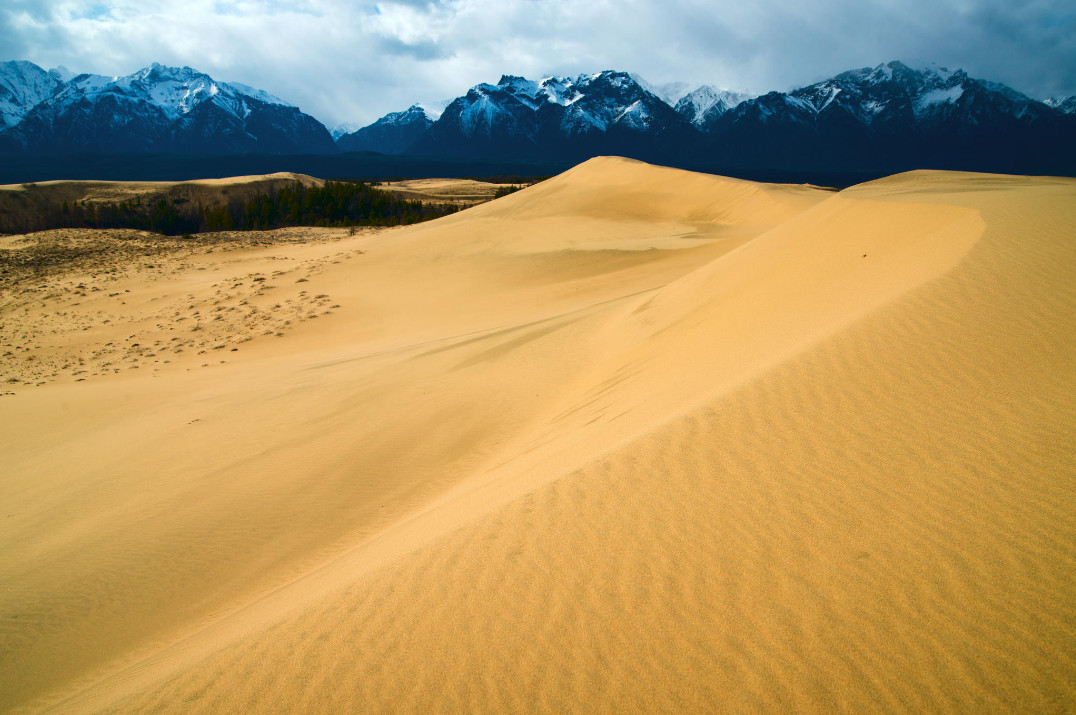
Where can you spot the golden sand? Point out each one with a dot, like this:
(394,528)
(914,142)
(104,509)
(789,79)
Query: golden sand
(461,192)
(632,439)
(117,188)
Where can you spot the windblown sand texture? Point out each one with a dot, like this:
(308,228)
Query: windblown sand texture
(632,439)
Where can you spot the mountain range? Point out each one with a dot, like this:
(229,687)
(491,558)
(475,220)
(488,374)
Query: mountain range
(884,118)
(157,109)
(887,117)
(894,116)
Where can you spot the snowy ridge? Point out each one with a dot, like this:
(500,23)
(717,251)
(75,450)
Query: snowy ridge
(889,110)
(157,108)
(391,134)
(941,95)
(670,92)
(706,103)
(892,111)
(433,111)
(23,85)
(894,117)
(1062,104)
(62,73)
(258,94)
(175,91)
(888,93)
(421,112)
(556,117)
(414,113)
(346,128)
(593,102)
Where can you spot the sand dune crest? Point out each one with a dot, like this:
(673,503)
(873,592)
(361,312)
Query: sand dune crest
(630,439)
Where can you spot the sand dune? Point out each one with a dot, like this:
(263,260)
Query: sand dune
(630,439)
(462,192)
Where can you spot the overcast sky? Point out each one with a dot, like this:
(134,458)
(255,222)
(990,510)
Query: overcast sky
(355,60)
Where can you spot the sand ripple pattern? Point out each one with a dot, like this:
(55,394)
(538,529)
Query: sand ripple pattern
(880,519)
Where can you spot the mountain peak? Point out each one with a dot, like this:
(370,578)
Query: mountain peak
(670,92)
(705,104)
(435,110)
(159,71)
(23,85)
(344,128)
(62,73)
(617,77)
(393,133)
(563,113)
(420,109)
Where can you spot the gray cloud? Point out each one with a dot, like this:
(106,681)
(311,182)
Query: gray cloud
(354,61)
(425,50)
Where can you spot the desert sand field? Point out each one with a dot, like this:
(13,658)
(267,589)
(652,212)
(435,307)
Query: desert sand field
(24,205)
(461,192)
(116,191)
(630,440)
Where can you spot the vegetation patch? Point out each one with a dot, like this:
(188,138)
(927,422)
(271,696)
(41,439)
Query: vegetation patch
(334,204)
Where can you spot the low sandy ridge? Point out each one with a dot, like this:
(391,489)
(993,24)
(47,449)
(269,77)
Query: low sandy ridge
(24,206)
(460,192)
(630,439)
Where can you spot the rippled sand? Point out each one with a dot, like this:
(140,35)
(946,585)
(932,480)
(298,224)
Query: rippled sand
(632,439)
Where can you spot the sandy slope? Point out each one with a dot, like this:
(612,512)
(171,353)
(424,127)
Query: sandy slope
(631,439)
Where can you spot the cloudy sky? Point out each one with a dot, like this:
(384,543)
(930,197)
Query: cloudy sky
(355,60)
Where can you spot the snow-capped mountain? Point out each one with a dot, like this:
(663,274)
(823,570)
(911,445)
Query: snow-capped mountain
(344,128)
(62,73)
(24,85)
(875,97)
(260,94)
(875,119)
(893,116)
(670,92)
(1063,104)
(162,109)
(704,105)
(393,133)
(883,118)
(434,110)
(556,117)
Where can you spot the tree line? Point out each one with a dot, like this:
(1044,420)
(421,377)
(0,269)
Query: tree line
(334,204)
